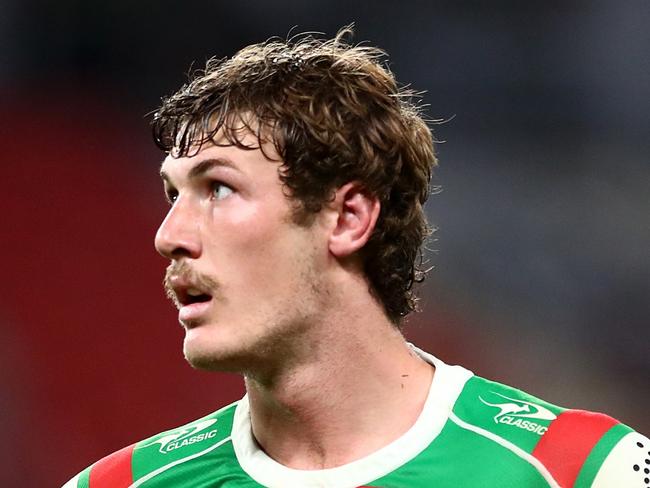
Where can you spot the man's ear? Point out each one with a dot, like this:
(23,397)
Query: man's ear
(357,212)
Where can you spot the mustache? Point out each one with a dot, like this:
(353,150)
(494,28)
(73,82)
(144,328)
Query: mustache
(186,273)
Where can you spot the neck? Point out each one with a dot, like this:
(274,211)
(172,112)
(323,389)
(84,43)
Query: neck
(357,391)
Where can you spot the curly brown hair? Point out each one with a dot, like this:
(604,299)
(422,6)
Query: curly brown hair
(335,113)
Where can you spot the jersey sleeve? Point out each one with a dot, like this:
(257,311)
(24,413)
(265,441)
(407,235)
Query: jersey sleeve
(626,463)
(584,449)
(137,463)
(113,471)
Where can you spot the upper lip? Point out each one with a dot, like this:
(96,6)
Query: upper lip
(186,292)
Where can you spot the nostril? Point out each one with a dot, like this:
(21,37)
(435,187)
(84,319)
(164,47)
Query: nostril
(180,252)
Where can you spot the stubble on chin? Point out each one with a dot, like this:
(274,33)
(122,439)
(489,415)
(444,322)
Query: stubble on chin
(268,343)
(268,336)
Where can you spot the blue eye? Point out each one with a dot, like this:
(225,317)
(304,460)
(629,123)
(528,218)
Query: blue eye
(220,191)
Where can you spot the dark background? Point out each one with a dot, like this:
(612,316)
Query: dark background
(542,268)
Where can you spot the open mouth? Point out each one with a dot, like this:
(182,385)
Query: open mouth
(193,298)
(190,296)
(193,305)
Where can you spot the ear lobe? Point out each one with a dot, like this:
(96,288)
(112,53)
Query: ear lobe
(357,215)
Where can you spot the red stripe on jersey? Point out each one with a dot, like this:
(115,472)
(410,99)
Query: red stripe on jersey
(568,441)
(113,471)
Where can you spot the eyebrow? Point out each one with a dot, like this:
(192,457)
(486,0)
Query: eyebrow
(202,167)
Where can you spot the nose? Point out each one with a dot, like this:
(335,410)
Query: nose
(179,234)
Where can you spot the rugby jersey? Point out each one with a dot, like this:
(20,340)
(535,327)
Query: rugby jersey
(472,432)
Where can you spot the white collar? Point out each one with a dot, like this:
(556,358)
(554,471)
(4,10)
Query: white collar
(448,382)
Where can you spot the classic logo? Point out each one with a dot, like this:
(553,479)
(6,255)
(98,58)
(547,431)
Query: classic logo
(515,412)
(185,437)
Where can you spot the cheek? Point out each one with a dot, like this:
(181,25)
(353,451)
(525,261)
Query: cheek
(255,251)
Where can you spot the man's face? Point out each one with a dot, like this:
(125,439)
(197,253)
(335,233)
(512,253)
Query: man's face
(246,278)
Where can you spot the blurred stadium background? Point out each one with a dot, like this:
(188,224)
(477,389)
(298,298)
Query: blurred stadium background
(542,264)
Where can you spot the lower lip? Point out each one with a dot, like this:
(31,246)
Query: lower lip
(193,312)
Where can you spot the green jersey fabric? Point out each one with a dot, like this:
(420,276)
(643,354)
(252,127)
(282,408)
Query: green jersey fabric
(471,433)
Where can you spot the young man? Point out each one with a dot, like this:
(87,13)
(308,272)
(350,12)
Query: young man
(296,174)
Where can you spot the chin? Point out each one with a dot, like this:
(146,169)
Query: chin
(204,362)
(209,361)
(239,349)
(213,357)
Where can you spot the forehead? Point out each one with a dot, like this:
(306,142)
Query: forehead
(250,160)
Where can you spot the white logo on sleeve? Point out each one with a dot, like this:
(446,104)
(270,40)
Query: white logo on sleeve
(184,437)
(515,411)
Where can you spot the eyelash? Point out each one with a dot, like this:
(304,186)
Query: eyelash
(171,195)
(215,186)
